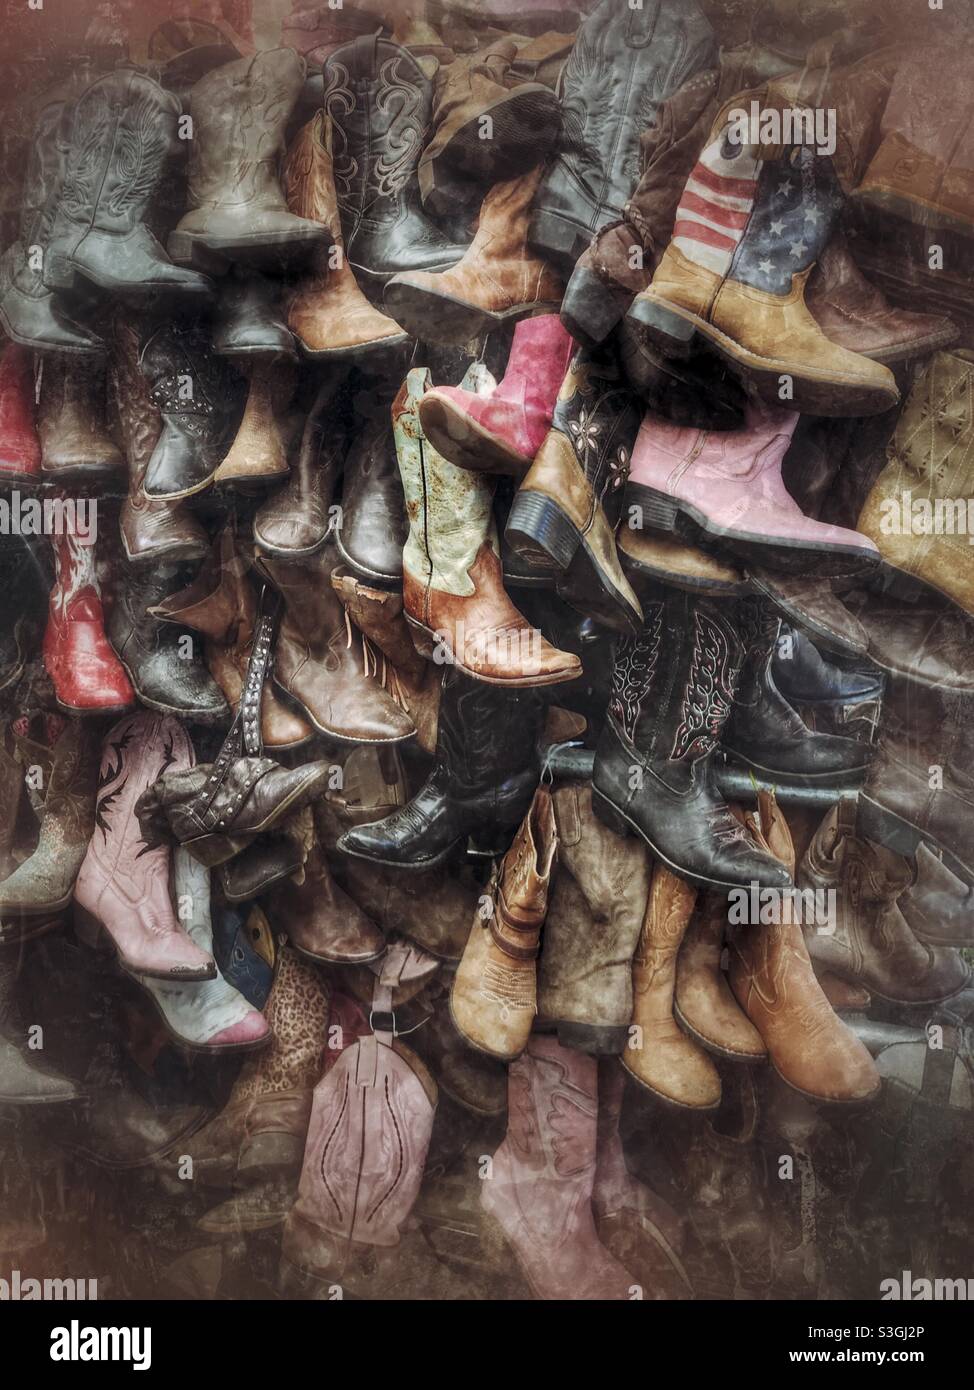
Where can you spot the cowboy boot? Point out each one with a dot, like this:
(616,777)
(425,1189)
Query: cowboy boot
(258,453)
(595,913)
(370,528)
(24,1077)
(499,280)
(478,93)
(659,1054)
(163,676)
(453,590)
(20,449)
(209,1015)
(569,502)
(249,321)
(11,797)
(413,681)
(328,313)
(150,530)
(118,134)
(245,950)
(624,63)
(88,677)
(322,922)
(672,692)
(123,886)
(221,604)
(236,207)
(765,732)
(494,997)
(75,443)
(30,313)
(319,664)
(538,1195)
(870,942)
(500,428)
(748,232)
(296,521)
(380,101)
(772,979)
(723,490)
(198,396)
(430,910)
(479,786)
(703,1004)
(43,884)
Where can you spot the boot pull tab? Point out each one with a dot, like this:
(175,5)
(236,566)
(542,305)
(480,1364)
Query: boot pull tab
(845,818)
(364,64)
(642,23)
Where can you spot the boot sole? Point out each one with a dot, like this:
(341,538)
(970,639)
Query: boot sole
(672,516)
(319,958)
(874,822)
(850,1103)
(823,636)
(386,581)
(83,712)
(332,734)
(213,255)
(62,273)
(179,496)
(93,931)
(465,443)
(378,279)
(427,641)
(377,345)
(919,213)
(747,1058)
(34,910)
(621,824)
(847,779)
(591,308)
(669,1100)
(676,331)
(432,314)
(595,1039)
(288,552)
(539,532)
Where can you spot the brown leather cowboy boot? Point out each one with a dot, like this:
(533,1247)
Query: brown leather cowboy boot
(772,978)
(704,1004)
(71,425)
(498,281)
(494,997)
(320,663)
(258,453)
(222,605)
(295,520)
(150,530)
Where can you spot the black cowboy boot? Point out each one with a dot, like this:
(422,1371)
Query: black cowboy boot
(672,691)
(481,786)
(151,650)
(372,525)
(765,732)
(380,103)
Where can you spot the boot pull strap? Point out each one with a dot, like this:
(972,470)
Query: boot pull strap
(846,811)
(365,56)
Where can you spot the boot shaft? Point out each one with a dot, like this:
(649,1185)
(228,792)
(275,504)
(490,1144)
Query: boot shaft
(308,180)
(541,352)
(469,755)
(553,1117)
(297,1015)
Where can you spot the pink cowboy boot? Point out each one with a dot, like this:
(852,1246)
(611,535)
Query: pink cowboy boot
(123,886)
(501,432)
(539,1192)
(725,491)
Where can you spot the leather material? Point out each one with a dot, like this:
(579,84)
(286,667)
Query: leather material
(806,677)
(371,526)
(498,280)
(249,318)
(672,692)
(199,399)
(380,103)
(432,910)
(236,207)
(328,312)
(929,466)
(624,63)
(703,1002)
(659,1054)
(87,675)
(500,428)
(243,945)
(20,449)
(44,881)
(297,519)
(453,590)
(539,1196)
(259,452)
(118,136)
(24,1077)
(765,731)
(150,530)
(595,913)
(270,859)
(870,943)
(811,605)
(650,555)
(222,605)
(929,643)
(493,1001)
(476,787)
(937,906)
(320,663)
(413,681)
(152,653)
(123,883)
(796,205)
(772,978)
(71,424)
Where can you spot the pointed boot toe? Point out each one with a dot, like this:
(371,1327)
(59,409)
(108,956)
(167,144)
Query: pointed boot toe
(249,1032)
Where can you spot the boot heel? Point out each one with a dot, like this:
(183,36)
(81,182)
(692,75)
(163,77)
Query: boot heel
(539,532)
(610,817)
(591,308)
(659,511)
(184,249)
(883,828)
(652,319)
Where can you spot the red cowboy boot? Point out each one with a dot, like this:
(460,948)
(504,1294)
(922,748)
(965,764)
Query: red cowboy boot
(20,450)
(87,675)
